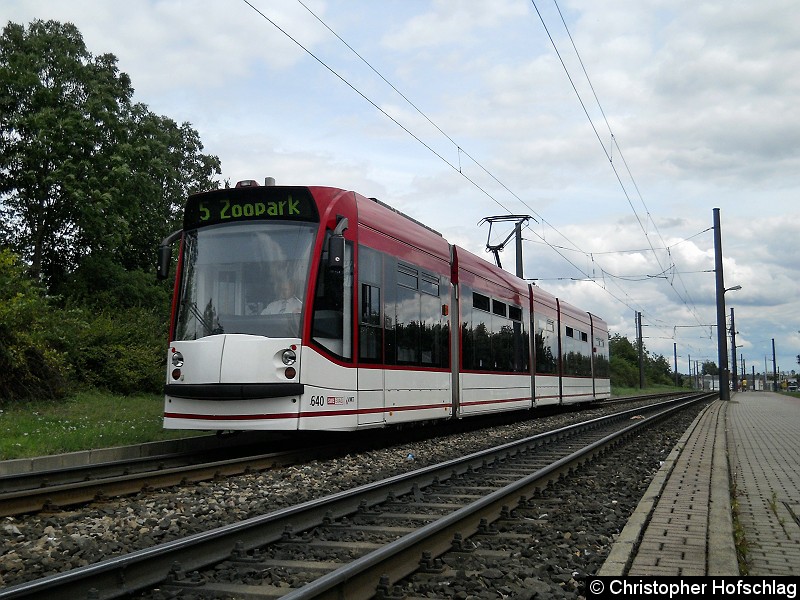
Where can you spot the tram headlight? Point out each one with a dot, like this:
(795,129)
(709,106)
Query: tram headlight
(289,357)
(177,360)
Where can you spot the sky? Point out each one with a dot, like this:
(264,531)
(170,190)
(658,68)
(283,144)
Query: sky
(618,126)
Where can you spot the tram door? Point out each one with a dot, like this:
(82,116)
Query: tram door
(371,375)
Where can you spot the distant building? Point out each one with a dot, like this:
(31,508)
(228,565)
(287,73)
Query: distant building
(710,382)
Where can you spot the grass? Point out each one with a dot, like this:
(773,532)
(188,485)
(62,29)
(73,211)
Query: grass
(621,392)
(739,539)
(85,420)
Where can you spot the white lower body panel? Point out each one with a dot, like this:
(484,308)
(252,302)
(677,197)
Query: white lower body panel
(488,393)
(417,395)
(547,390)
(577,389)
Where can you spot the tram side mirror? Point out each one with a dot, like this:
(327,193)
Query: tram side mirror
(336,246)
(336,253)
(165,254)
(164,258)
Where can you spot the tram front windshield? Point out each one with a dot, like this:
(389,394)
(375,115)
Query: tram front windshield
(245,278)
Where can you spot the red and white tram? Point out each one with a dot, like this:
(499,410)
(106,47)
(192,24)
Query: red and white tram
(315,308)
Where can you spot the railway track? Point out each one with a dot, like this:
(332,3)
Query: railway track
(52,489)
(51,497)
(352,543)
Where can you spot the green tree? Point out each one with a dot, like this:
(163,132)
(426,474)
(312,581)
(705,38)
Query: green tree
(625,364)
(620,346)
(83,171)
(624,361)
(89,184)
(60,117)
(710,368)
(159,164)
(162,163)
(658,370)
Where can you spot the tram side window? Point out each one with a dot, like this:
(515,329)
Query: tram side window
(546,346)
(332,322)
(429,284)
(502,338)
(493,335)
(585,367)
(420,335)
(602,366)
(521,347)
(577,354)
(433,331)
(509,338)
(481,333)
(499,308)
(467,335)
(370,331)
(407,315)
(480,301)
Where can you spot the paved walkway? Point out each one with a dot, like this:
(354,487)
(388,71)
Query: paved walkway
(683,525)
(764,448)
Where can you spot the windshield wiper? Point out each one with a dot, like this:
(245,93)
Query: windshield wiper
(209,329)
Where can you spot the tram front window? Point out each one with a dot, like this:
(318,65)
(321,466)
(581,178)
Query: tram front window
(245,278)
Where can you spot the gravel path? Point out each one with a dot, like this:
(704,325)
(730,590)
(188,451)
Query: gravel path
(570,526)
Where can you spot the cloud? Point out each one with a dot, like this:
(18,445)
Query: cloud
(449,24)
(700,97)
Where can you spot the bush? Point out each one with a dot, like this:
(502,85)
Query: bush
(122,352)
(43,348)
(29,366)
(624,373)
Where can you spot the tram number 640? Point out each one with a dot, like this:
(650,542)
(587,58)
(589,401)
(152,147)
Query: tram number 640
(317,400)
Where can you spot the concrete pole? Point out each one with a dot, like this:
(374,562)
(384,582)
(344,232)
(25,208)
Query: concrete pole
(691,374)
(675,360)
(734,374)
(774,368)
(641,349)
(722,338)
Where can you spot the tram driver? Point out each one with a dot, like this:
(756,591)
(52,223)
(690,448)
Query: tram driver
(287,301)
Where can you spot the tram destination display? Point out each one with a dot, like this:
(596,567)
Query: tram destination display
(248,204)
